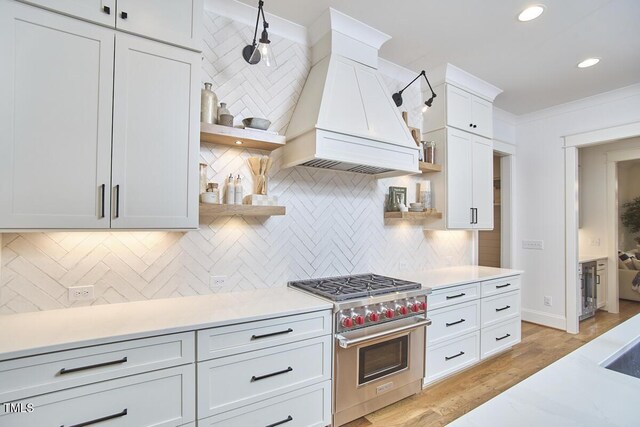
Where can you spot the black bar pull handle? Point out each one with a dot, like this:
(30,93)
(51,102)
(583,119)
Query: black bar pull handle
(503,286)
(124,15)
(455,323)
(506,307)
(102,190)
(272,334)
(117,201)
(454,356)
(97,365)
(279,423)
(262,377)
(106,9)
(101,419)
(501,338)
(455,296)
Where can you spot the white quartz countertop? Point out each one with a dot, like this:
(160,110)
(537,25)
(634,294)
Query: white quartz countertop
(574,391)
(453,276)
(589,258)
(41,332)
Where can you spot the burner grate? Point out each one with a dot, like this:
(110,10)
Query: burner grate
(349,287)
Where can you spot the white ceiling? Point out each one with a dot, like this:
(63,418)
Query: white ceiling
(533,62)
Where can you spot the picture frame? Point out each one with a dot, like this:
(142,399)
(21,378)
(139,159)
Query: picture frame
(396,195)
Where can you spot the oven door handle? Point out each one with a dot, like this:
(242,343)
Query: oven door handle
(346,343)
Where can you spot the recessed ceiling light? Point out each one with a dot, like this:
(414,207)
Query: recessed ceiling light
(531,13)
(239,142)
(589,62)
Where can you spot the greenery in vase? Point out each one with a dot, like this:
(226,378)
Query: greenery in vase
(631,216)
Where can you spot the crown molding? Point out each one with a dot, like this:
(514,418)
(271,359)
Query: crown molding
(246,14)
(449,73)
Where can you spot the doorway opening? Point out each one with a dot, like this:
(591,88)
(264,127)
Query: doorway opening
(490,241)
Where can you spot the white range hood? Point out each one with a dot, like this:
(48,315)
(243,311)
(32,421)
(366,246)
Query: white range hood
(345,118)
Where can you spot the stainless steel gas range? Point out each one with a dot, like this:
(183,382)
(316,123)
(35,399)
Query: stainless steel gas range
(379,343)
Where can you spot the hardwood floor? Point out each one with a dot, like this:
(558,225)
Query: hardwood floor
(444,402)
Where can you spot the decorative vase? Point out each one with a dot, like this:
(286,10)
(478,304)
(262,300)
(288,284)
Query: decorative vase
(208,105)
(224,116)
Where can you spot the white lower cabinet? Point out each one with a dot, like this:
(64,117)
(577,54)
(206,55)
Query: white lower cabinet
(159,398)
(230,382)
(469,323)
(309,406)
(266,373)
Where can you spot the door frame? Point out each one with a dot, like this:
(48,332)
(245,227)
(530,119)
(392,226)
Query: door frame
(571,145)
(507,152)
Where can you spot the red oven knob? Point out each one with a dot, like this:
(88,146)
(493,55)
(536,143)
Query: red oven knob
(415,307)
(374,317)
(402,310)
(359,320)
(347,322)
(389,313)
(423,305)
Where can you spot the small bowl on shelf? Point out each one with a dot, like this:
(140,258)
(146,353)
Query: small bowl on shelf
(256,123)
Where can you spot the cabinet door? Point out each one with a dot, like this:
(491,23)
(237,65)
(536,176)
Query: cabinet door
(155,135)
(483,182)
(601,283)
(56,86)
(177,22)
(99,11)
(459,176)
(459,108)
(482,117)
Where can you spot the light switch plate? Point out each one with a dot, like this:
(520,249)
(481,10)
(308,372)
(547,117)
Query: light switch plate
(533,244)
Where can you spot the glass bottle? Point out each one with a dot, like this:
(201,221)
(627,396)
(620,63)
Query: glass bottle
(208,105)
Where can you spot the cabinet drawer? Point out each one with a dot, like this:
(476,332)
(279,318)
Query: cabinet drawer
(601,265)
(500,286)
(160,398)
(450,322)
(451,356)
(500,337)
(228,340)
(500,308)
(454,295)
(310,406)
(55,371)
(231,382)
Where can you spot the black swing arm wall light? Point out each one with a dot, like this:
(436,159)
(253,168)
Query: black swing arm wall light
(397,97)
(253,53)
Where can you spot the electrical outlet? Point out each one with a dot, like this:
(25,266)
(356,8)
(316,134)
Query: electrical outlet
(217,281)
(533,244)
(81,293)
(548,301)
(595,242)
(403,266)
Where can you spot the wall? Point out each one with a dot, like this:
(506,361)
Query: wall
(628,189)
(334,223)
(593,237)
(540,192)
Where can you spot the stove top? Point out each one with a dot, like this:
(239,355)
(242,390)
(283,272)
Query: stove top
(350,287)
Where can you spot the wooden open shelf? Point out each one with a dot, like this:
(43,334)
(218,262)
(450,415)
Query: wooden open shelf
(412,215)
(429,167)
(209,210)
(250,138)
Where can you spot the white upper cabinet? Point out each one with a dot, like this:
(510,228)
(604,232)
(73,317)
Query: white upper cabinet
(55,149)
(469,112)
(177,22)
(482,153)
(469,171)
(98,11)
(460,109)
(155,135)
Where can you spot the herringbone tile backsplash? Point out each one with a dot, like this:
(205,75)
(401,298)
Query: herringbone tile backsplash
(334,223)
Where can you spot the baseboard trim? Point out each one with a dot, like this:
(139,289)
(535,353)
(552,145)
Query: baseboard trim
(544,319)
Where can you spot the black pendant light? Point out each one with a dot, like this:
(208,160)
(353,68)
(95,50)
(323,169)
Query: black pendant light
(261,51)
(397,97)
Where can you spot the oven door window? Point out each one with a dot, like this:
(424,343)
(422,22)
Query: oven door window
(382,359)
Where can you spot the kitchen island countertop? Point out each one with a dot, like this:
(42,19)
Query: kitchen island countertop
(574,391)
